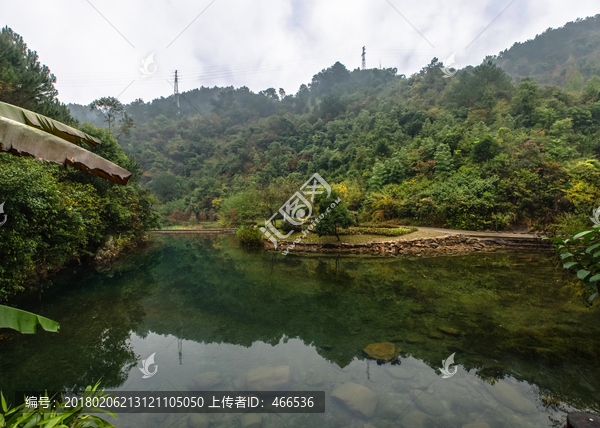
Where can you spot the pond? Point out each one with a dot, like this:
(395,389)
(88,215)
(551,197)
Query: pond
(221,318)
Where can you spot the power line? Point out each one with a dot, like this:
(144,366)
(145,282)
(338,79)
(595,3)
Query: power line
(214,71)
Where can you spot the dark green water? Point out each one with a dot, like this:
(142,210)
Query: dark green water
(525,346)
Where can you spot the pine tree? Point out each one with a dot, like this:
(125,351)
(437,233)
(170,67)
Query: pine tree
(443,160)
(25,82)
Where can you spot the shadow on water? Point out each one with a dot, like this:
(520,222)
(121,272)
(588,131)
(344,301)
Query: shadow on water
(505,315)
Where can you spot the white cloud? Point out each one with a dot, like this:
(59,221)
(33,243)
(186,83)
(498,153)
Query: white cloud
(263,43)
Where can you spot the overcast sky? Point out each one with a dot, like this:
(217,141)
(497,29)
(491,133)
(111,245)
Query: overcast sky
(96,48)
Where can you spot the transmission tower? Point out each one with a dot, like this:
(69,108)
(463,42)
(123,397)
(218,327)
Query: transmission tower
(176,88)
(364,60)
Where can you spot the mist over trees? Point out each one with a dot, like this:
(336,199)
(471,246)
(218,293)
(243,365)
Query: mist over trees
(565,56)
(495,146)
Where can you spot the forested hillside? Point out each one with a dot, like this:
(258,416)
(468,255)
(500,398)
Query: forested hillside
(194,102)
(474,151)
(486,148)
(566,56)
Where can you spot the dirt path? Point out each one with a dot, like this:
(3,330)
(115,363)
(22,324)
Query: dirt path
(479,233)
(423,232)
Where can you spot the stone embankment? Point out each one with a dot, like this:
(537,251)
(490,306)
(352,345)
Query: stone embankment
(441,244)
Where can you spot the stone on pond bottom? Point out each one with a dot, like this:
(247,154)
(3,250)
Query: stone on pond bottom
(198,421)
(415,420)
(511,397)
(265,378)
(428,404)
(357,398)
(400,372)
(477,424)
(382,351)
(252,420)
(208,380)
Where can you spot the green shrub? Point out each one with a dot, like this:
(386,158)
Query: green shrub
(249,236)
(286,227)
(581,253)
(239,208)
(57,215)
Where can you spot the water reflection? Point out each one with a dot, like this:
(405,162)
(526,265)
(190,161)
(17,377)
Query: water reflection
(206,306)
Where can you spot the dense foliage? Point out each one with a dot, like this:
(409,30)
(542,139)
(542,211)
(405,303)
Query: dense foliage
(480,150)
(334,215)
(474,151)
(249,236)
(57,215)
(565,56)
(581,253)
(25,82)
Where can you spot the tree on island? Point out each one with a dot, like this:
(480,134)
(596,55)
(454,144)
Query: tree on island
(336,218)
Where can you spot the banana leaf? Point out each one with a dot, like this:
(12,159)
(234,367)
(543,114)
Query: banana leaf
(22,139)
(25,322)
(43,123)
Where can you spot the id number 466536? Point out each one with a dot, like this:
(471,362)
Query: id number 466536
(293,402)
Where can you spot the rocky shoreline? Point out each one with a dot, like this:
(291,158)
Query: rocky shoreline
(452,243)
(449,244)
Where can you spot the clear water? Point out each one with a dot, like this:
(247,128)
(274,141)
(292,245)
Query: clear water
(525,345)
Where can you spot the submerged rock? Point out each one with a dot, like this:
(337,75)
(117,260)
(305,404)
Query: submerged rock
(198,421)
(415,420)
(252,420)
(449,330)
(313,379)
(399,372)
(436,335)
(208,380)
(415,339)
(511,397)
(265,378)
(382,351)
(477,424)
(428,404)
(357,399)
